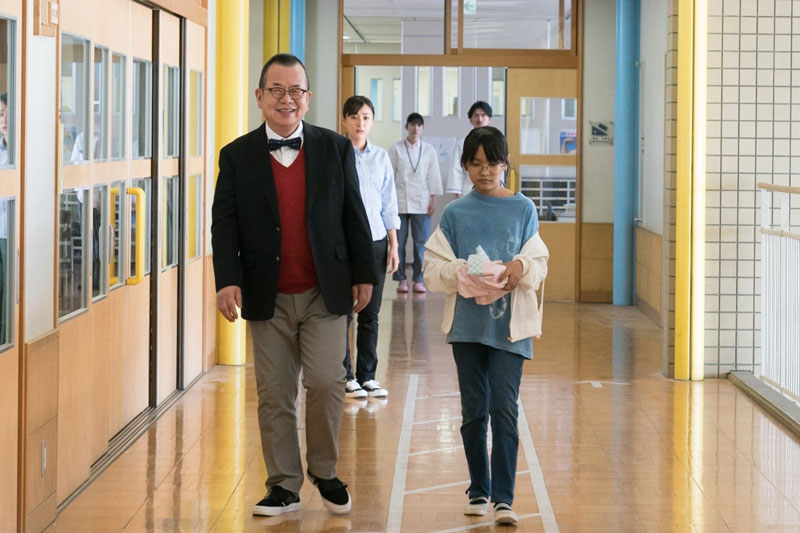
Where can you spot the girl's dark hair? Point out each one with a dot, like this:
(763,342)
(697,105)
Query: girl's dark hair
(354,104)
(493,142)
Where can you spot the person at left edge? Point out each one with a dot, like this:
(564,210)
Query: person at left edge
(293,249)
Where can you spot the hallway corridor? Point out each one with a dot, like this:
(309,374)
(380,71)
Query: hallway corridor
(607,444)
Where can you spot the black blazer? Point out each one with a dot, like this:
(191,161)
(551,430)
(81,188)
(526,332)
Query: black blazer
(245,227)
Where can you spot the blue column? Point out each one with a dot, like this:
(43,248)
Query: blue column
(297,32)
(626,149)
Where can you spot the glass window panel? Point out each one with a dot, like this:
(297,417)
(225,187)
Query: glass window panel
(397,100)
(498,91)
(543,130)
(194,216)
(424,91)
(99,241)
(7,262)
(73,253)
(450,104)
(516,25)
(144,184)
(118,66)
(552,189)
(142,108)
(375,94)
(74,97)
(100,104)
(171,104)
(7,84)
(371,27)
(117,222)
(169,225)
(195,113)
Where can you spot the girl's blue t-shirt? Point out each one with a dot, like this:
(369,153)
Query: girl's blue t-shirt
(501,226)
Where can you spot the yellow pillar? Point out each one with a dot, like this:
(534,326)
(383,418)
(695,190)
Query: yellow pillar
(231,122)
(277,26)
(690,193)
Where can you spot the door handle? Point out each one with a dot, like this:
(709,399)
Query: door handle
(138,255)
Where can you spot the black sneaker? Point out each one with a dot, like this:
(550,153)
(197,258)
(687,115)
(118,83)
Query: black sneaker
(278,501)
(334,494)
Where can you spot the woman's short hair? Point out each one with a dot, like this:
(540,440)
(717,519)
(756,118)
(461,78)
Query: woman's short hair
(494,145)
(354,104)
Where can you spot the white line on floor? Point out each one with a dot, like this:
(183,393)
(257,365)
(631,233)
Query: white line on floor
(441,395)
(483,524)
(441,419)
(537,478)
(446,485)
(395,520)
(437,450)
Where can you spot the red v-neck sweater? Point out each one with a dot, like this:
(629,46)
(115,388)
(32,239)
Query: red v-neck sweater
(297,264)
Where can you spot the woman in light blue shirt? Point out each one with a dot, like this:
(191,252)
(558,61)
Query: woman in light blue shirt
(376,184)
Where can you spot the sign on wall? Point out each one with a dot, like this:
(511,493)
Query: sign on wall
(602,132)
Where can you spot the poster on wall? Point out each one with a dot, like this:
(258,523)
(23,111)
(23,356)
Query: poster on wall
(602,132)
(567,141)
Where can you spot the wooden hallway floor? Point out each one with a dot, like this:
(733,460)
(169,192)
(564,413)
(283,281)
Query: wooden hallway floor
(606,444)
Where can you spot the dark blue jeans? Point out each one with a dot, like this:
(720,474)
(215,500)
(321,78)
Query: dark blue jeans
(367,329)
(420,228)
(489,382)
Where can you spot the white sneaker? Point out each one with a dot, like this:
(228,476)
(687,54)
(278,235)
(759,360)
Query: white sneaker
(353,390)
(374,389)
(477,506)
(504,515)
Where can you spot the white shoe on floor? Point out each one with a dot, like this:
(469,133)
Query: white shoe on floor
(477,506)
(374,389)
(353,390)
(504,515)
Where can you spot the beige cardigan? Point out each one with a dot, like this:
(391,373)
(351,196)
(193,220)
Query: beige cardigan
(440,270)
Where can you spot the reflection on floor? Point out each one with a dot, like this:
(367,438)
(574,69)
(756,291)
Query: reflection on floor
(607,444)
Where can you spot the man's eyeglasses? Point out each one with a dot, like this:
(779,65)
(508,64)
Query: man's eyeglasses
(491,167)
(277,93)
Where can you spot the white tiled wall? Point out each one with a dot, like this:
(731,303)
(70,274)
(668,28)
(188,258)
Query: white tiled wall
(753,136)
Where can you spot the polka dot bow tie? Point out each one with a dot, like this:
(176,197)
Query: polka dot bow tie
(276,144)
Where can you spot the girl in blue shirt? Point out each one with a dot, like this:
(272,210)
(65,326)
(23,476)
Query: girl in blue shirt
(488,356)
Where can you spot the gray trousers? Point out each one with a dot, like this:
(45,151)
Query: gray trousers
(302,334)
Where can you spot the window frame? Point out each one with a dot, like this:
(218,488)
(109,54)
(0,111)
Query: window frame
(84,277)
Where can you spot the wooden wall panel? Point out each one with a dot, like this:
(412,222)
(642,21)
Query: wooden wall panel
(597,263)
(167,333)
(137,349)
(210,348)
(649,273)
(193,314)
(195,47)
(105,321)
(8,436)
(74,404)
(114,306)
(170,40)
(560,240)
(41,389)
(141,18)
(38,488)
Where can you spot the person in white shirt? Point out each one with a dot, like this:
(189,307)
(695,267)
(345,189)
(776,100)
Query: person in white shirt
(458,183)
(419,182)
